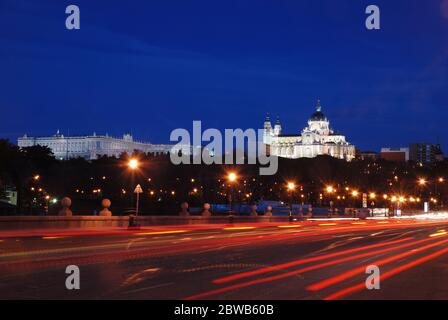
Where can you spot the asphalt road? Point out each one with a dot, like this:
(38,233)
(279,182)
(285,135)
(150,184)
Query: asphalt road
(308,260)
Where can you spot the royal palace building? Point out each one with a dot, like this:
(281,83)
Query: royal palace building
(92,146)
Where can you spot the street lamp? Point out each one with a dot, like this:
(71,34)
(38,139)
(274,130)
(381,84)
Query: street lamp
(355,195)
(232,178)
(291,188)
(330,190)
(423,182)
(47,203)
(133,164)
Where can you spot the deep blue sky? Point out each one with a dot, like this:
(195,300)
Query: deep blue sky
(151,66)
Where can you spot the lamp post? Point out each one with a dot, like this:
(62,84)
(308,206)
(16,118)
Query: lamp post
(291,187)
(232,179)
(355,194)
(133,165)
(422,182)
(330,190)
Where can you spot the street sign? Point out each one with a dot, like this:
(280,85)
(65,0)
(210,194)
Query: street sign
(138,189)
(364,200)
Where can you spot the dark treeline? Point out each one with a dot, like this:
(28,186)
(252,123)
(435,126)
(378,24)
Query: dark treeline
(41,180)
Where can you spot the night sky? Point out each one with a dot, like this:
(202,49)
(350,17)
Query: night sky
(148,67)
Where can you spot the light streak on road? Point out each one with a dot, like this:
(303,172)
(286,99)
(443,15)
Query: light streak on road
(294,273)
(160,232)
(387,275)
(291,226)
(318,250)
(438,234)
(305,260)
(346,275)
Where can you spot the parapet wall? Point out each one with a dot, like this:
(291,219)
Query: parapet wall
(57,222)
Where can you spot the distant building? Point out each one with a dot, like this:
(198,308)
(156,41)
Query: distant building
(367,155)
(425,152)
(392,154)
(8,195)
(316,139)
(94,146)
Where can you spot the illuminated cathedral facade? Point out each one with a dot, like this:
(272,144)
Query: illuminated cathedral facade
(316,139)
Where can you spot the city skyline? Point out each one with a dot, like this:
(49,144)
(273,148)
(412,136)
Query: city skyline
(247,153)
(106,134)
(225,67)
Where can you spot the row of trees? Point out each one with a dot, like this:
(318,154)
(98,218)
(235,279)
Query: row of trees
(41,180)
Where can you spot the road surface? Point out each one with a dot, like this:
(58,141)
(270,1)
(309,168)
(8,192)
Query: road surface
(303,260)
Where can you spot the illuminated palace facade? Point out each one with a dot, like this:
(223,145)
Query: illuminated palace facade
(93,146)
(316,139)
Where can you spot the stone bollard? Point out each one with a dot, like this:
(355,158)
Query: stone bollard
(206,212)
(253,210)
(66,202)
(268,211)
(184,210)
(105,212)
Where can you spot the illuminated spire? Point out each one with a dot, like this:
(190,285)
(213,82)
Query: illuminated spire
(267,117)
(277,122)
(318,106)
(267,123)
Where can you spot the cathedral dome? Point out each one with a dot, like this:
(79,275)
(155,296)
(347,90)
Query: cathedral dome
(318,115)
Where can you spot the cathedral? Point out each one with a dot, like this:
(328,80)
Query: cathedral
(316,139)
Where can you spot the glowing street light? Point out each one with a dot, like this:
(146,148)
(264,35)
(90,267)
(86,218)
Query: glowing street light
(422,181)
(36,177)
(291,186)
(372,195)
(330,189)
(355,193)
(232,177)
(133,164)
